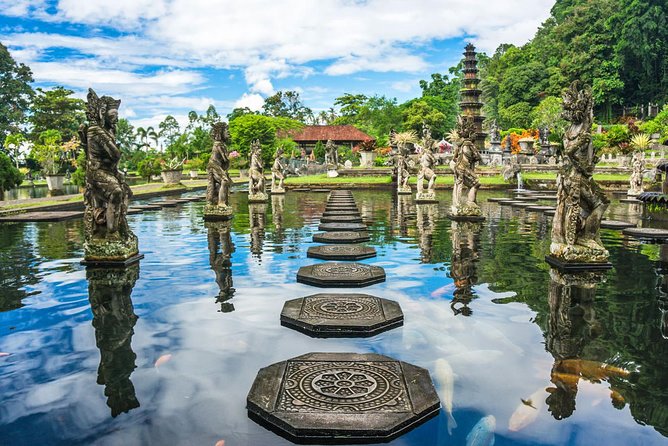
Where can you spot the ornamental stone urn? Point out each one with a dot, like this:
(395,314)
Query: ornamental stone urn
(172,176)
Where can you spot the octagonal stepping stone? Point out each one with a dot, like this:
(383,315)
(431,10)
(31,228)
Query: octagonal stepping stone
(301,189)
(134,211)
(546,197)
(341,315)
(341,237)
(509,203)
(167,203)
(540,208)
(616,224)
(652,234)
(629,200)
(327,213)
(145,207)
(341,219)
(342,398)
(550,213)
(521,204)
(341,252)
(340,275)
(499,199)
(526,198)
(342,203)
(320,190)
(342,227)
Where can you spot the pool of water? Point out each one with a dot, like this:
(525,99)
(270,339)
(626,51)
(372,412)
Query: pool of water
(36,191)
(165,353)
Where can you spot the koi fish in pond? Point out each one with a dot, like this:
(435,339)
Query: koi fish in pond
(593,369)
(164,359)
(527,412)
(482,433)
(445,378)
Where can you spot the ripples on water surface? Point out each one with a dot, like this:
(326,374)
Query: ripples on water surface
(166,353)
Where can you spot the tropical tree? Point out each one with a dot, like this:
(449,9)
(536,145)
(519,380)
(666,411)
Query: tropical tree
(9,175)
(56,109)
(287,104)
(15,93)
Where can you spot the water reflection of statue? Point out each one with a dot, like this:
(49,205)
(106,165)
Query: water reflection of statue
(426,224)
(107,236)
(278,173)
(402,211)
(256,185)
(637,169)
(218,187)
(580,201)
(257,217)
(109,293)
(220,258)
(463,164)
(427,169)
(571,326)
(277,205)
(463,267)
(331,155)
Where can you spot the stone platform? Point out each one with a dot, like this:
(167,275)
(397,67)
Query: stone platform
(341,315)
(510,202)
(342,398)
(341,219)
(341,237)
(340,275)
(335,213)
(540,208)
(616,224)
(341,252)
(572,267)
(649,234)
(330,227)
(42,216)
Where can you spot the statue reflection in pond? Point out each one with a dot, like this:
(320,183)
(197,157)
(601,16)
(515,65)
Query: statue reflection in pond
(277,207)
(220,258)
(463,266)
(109,291)
(257,216)
(426,224)
(662,289)
(572,325)
(403,204)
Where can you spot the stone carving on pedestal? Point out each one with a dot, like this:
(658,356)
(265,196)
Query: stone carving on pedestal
(278,173)
(107,236)
(109,291)
(256,193)
(427,166)
(331,159)
(638,168)
(463,268)
(465,158)
(580,201)
(218,188)
(220,244)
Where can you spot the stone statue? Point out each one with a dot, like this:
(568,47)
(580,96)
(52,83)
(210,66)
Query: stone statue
(464,160)
(427,169)
(402,170)
(494,133)
(218,189)
(256,185)
(638,168)
(107,236)
(220,236)
(464,264)
(331,158)
(513,170)
(278,173)
(580,201)
(109,294)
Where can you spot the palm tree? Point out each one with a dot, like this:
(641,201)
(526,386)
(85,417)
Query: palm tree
(142,133)
(151,133)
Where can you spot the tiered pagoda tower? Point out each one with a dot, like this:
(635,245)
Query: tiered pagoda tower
(471,104)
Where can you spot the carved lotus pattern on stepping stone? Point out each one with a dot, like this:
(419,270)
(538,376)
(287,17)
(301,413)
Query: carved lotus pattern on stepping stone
(340,274)
(341,252)
(341,237)
(342,397)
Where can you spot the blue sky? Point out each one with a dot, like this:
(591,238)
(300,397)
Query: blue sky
(171,56)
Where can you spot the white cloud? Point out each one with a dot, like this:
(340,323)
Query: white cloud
(252,101)
(404,86)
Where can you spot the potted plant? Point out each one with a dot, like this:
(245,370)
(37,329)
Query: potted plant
(172,171)
(51,154)
(193,166)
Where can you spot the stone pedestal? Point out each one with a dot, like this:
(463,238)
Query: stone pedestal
(404,190)
(367,159)
(260,197)
(466,212)
(217,212)
(277,190)
(426,197)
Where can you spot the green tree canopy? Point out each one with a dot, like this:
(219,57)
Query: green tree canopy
(15,93)
(9,175)
(56,109)
(287,104)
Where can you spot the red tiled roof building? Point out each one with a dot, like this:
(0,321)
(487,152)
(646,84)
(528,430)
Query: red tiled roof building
(341,135)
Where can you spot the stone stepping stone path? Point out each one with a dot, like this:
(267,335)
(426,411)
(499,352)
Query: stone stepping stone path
(651,234)
(521,204)
(540,208)
(341,315)
(342,227)
(550,213)
(146,207)
(546,197)
(301,189)
(134,211)
(337,213)
(345,218)
(43,216)
(616,224)
(320,190)
(167,203)
(342,398)
(499,200)
(340,275)
(526,198)
(509,203)
(341,252)
(629,200)
(341,237)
